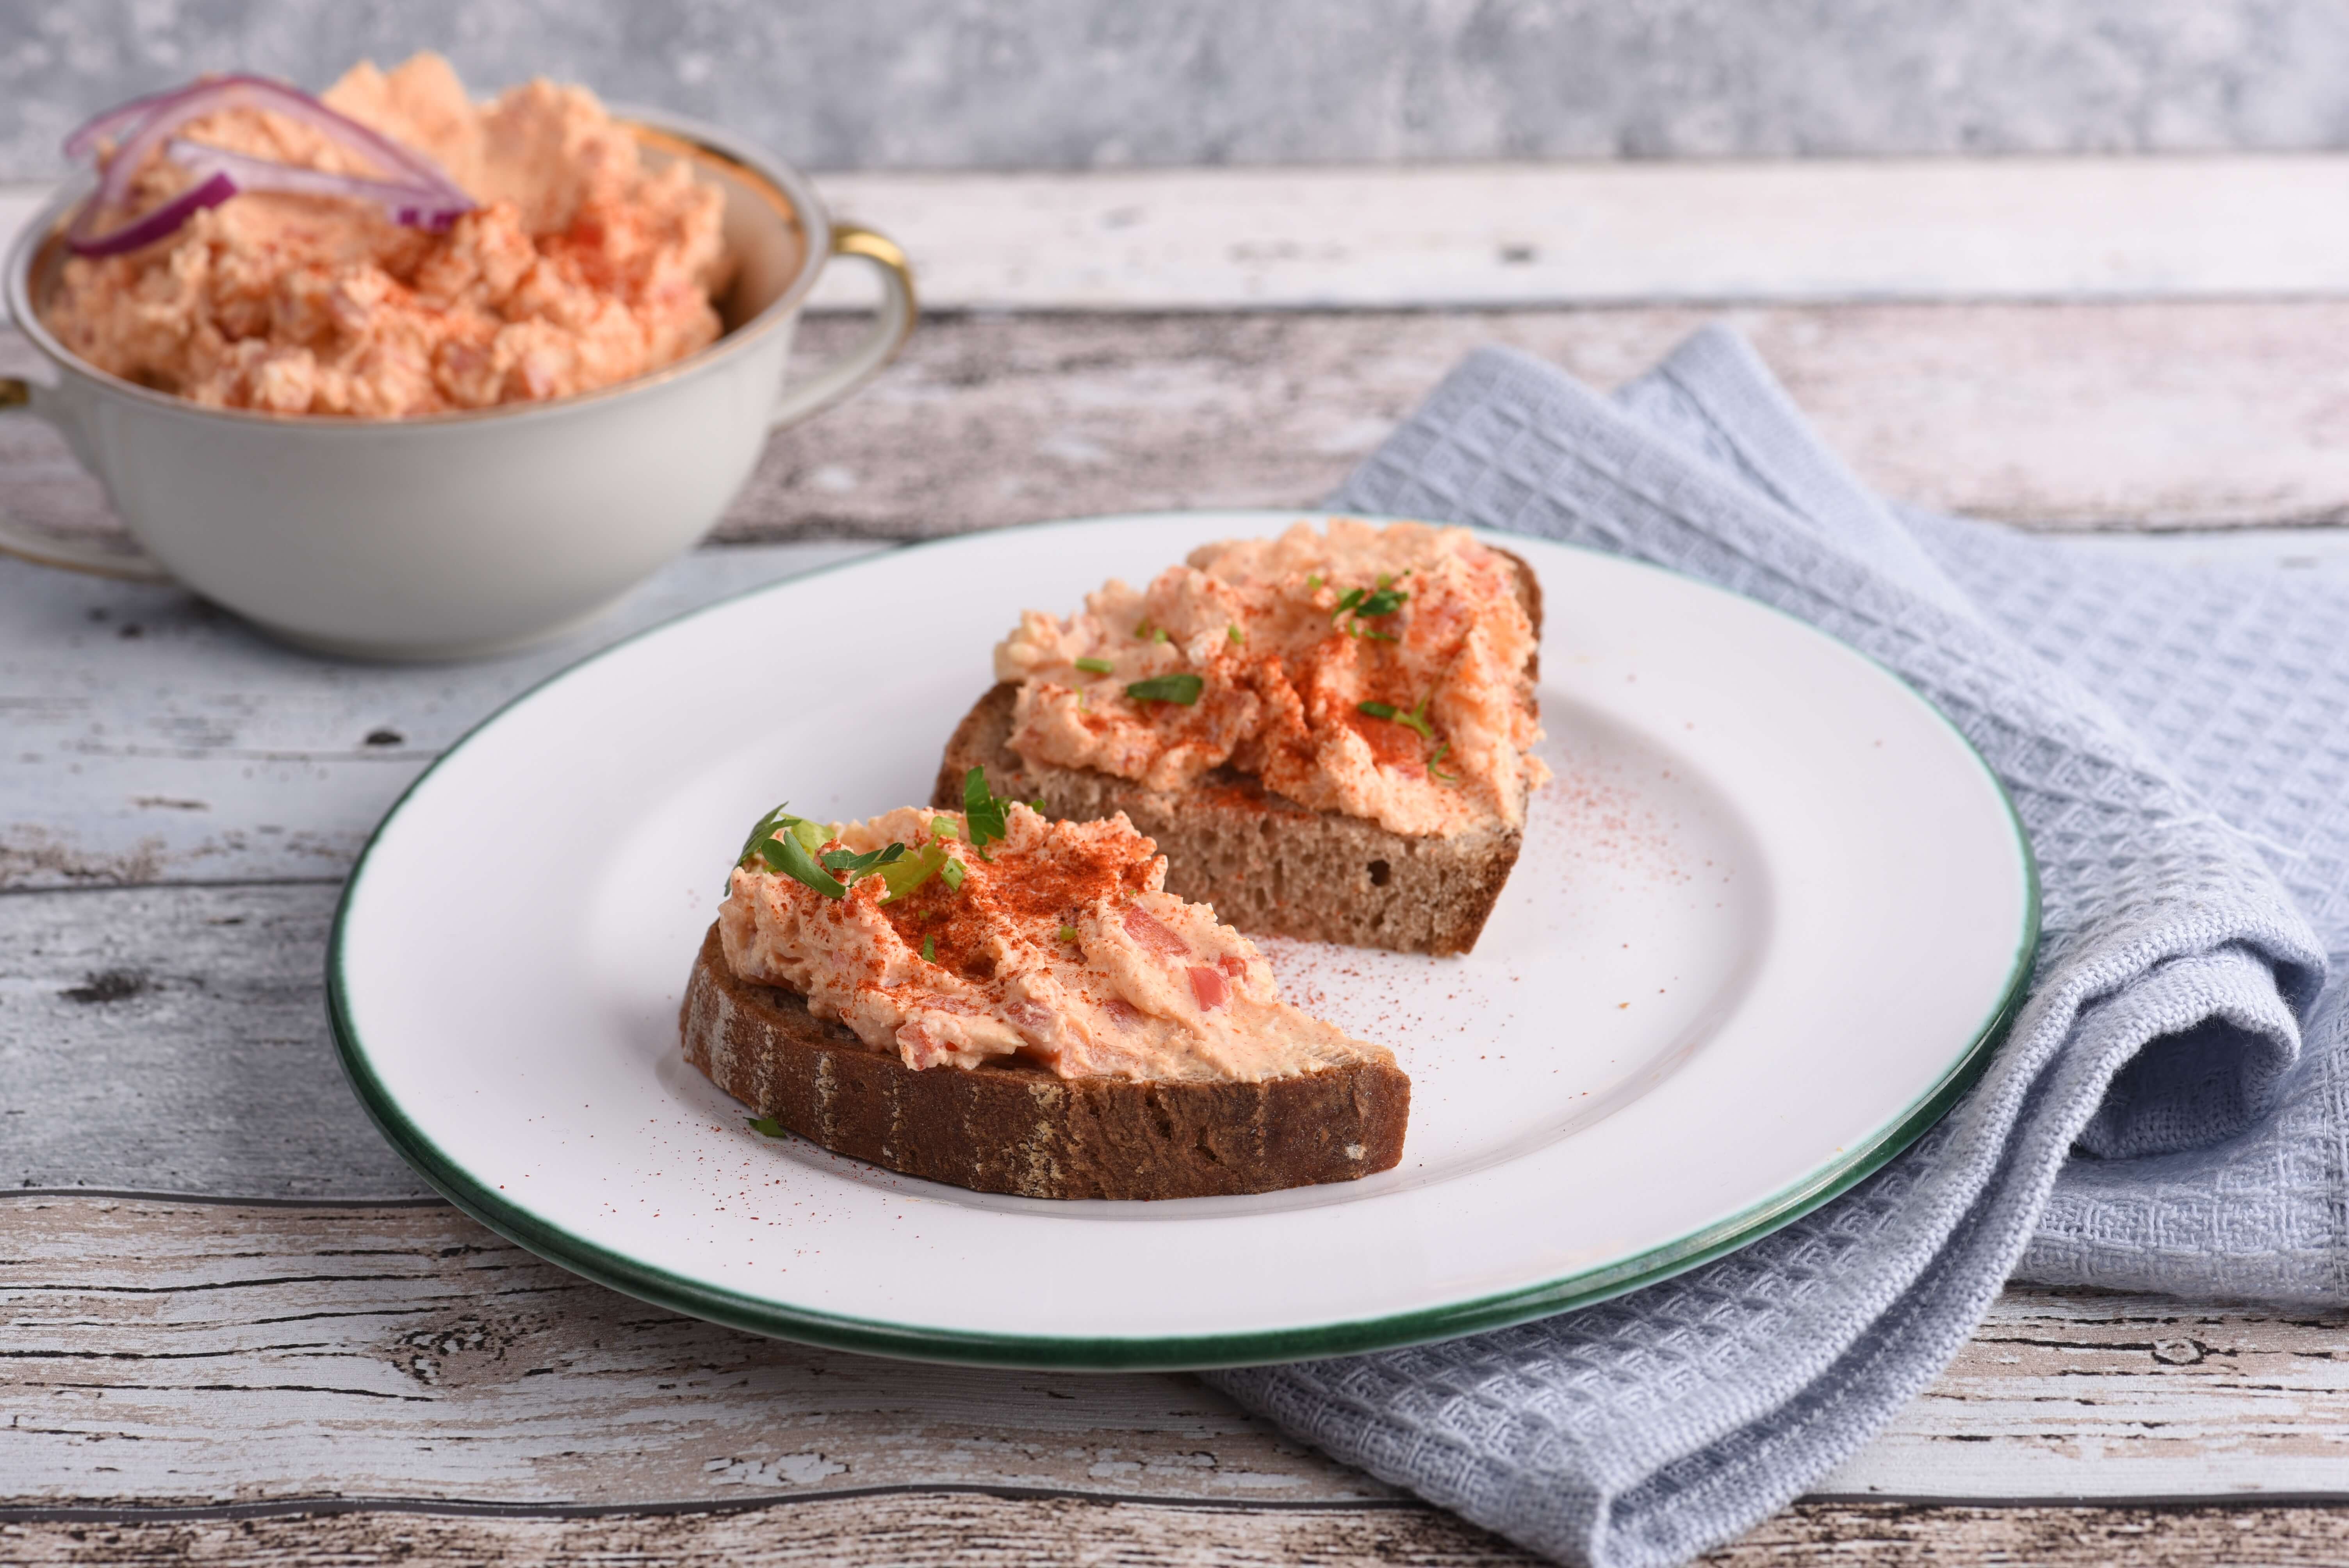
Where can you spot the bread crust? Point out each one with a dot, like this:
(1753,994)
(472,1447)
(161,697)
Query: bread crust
(1269,865)
(1017,1128)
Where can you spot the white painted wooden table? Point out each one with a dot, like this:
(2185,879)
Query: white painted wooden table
(236,1326)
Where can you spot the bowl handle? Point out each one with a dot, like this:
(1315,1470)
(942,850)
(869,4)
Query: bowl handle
(876,348)
(21,397)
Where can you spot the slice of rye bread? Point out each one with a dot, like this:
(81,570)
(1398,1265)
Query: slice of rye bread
(1269,865)
(1018,1128)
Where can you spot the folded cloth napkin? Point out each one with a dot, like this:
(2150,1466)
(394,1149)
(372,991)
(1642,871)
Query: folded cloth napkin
(2178,743)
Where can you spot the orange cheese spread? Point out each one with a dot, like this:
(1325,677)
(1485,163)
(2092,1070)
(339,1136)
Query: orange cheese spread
(1056,943)
(579,269)
(1380,672)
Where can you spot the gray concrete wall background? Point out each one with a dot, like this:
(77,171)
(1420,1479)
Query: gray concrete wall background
(1090,83)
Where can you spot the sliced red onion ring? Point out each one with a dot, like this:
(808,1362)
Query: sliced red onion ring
(111,125)
(162,113)
(416,205)
(148,227)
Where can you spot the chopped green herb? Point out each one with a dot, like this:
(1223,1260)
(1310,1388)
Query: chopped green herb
(767,824)
(952,872)
(1415,719)
(1097,666)
(1141,633)
(1382,636)
(1353,597)
(1067,934)
(1235,634)
(929,949)
(986,814)
(1037,805)
(767,1127)
(1182,688)
(856,865)
(1438,756)
(787,856)
(904,875)
(1313,583)
(812,836)
(1385,601)
(945,827)
(1158,636)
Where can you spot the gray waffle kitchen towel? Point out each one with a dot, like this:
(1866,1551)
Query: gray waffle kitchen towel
(2178,743)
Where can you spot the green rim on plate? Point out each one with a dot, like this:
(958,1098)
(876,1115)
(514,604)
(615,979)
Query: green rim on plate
(1580,1287)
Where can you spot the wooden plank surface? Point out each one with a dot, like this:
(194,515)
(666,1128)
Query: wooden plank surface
(149,736)
(1550,233)
(180,1354)
(949,1530)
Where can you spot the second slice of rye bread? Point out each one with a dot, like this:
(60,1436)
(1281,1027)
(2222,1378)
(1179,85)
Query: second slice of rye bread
(1269,866)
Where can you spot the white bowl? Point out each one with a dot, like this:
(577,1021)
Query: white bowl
(458,534)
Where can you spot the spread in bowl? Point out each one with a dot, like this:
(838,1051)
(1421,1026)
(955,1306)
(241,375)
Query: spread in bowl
(536,255)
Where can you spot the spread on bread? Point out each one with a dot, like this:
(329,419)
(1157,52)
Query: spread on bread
(1379,672)
(958,938)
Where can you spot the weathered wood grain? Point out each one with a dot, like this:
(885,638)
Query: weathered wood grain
(181,1353)
(936,1531)
(1552,233)
(187,1353)
(2064,415)
(174,1040)
(149,736)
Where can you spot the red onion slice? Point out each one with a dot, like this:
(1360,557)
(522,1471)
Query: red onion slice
(415,206)
(161,114)
(150,227)
(111,125)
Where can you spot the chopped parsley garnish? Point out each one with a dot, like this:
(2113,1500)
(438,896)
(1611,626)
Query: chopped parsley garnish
(794,854)
(945,827)
(767,1127)
(986,814)
(787,856)
(929,949)
(857,865)
(1234,633)
(1067,934)
(952,872)
(1437,756)
(1313,583)
(1141,633)
(1182,688)
(1097,666)
(902,876)
(1415,719)
(1369,604)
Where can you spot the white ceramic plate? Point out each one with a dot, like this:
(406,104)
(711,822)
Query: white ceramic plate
(1768,924)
